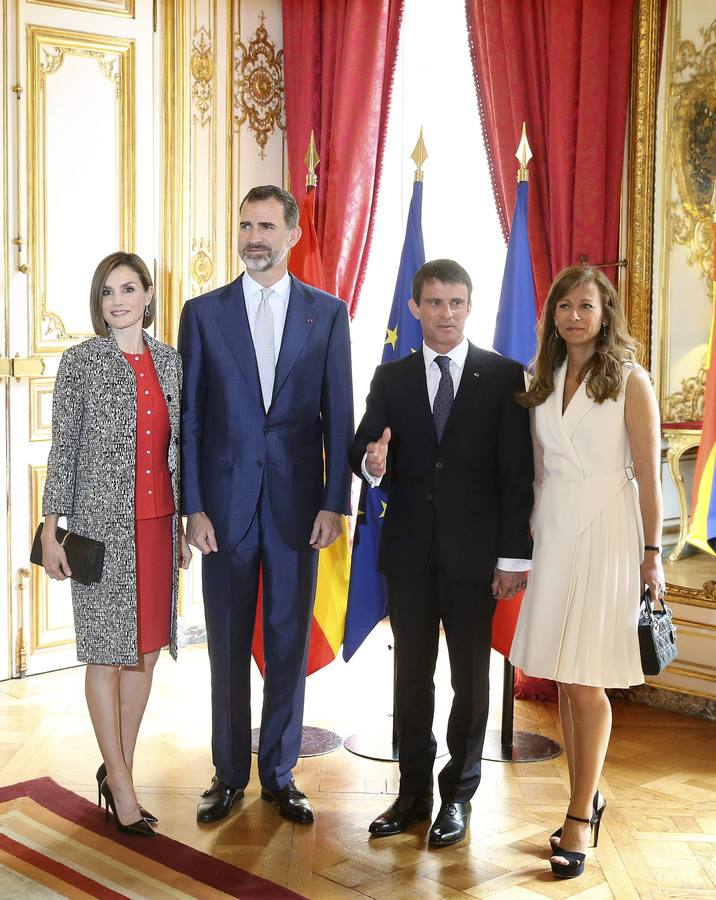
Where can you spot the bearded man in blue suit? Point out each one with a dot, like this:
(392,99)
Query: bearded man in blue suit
(267,420)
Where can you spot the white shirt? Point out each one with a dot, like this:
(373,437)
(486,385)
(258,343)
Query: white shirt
(278,301)
(457,357)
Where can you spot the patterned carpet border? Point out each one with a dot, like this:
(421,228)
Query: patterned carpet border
(201,867)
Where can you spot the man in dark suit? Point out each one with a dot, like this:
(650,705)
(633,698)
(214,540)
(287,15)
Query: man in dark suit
(443,433)
(267,396)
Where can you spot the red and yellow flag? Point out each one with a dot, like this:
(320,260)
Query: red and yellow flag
(702,533)
(334,563)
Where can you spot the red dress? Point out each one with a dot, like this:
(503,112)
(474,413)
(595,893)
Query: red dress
(153,508)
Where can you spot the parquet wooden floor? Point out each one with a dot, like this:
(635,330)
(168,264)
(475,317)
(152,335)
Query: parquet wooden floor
(658,837)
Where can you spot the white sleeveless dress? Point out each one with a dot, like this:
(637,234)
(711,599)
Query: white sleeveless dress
(578,619)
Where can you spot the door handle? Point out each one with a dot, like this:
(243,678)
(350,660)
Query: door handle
(21,367)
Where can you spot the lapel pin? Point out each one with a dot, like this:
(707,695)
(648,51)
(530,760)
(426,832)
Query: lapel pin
(309,321)
(476,374)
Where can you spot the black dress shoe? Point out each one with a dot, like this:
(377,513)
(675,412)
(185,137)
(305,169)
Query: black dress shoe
(217,800)
(401,813)
(451,824)
(292,803)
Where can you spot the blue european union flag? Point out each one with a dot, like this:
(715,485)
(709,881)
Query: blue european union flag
(367,595)
(515,334)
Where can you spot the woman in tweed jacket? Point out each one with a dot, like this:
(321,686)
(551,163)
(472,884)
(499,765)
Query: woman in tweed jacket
(91,480)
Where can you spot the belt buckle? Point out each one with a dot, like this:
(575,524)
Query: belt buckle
(630,474)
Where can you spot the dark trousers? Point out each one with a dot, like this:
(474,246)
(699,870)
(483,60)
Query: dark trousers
(230,586)
(416,605)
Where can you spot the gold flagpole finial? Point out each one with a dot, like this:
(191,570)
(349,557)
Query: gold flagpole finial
(524,155)
(312,159)
(419,155)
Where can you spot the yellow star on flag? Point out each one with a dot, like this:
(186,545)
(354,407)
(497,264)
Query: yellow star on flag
(391,336)
(385,506)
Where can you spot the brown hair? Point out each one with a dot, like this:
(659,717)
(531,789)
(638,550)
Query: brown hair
(615,345)
(272,192)
(446,271)
(101,273)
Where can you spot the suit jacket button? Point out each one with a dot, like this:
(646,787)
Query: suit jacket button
(259,463)
(438,465)
(429,497)
(266,429)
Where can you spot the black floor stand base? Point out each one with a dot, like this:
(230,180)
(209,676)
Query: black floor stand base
(525,747)
(314,741)
(379,743)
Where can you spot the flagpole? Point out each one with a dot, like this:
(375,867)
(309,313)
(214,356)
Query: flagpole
(507,745)
(382,743)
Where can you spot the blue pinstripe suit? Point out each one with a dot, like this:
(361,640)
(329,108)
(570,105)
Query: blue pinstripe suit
(259,476)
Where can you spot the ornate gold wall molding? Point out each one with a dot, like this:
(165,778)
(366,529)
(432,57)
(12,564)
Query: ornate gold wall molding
(110,7)
(201,266)
(258,92)
(640,185)
(693,147)
(687,405)
(202,72)
(47,49)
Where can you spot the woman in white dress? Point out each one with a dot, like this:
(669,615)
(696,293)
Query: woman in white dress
(597,525)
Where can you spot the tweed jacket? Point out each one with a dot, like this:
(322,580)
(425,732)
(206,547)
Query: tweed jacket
(90,480)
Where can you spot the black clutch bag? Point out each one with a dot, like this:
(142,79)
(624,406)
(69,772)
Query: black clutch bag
(657,636)
(84,555)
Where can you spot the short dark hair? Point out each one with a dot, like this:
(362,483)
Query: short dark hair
(446,271)
(101,273)
(272,192)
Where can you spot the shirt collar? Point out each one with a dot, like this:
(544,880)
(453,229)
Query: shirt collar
(458,354)
(282,287)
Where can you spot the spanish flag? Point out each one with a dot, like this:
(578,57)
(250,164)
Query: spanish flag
(329,611)
(702,533)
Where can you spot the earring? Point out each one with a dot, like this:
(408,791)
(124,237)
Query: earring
(556,331)
(604,331)
(146,312)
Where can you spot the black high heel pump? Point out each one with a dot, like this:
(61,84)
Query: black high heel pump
(141,827)
(596,821)
(101,775)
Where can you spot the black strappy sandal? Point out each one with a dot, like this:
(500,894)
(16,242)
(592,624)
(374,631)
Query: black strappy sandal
(596,821)
(575,860)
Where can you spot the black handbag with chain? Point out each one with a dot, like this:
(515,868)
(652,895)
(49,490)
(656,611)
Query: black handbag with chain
(85,556)
(657,635)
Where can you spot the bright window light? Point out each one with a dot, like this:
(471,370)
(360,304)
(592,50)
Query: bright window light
(433,88)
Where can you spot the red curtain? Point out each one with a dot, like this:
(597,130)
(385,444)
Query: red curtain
(563,67)
(339,59)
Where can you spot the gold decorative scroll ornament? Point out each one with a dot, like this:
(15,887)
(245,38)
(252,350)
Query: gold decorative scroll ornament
(693,147)
(687,405)
(202,75)
(258,86)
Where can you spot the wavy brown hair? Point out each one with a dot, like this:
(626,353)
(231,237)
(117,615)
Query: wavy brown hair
(603,371)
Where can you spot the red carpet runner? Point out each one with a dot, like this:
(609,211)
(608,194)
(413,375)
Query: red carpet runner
(54,843)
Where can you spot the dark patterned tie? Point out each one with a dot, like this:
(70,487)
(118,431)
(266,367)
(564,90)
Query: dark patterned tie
(444,397)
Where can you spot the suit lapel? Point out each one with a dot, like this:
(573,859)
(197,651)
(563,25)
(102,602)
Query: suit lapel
(471,375)
(234,326)
(418,387)
(301,316)
(555,419)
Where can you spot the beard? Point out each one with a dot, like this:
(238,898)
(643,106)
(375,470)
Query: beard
(268,260)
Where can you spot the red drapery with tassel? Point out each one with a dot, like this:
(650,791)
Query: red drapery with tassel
(563,67)
(339,58)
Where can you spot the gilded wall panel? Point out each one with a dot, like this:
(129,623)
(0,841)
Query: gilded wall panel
(51,601)
(80,172)
(685,169)
(41,408)
(111,7)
